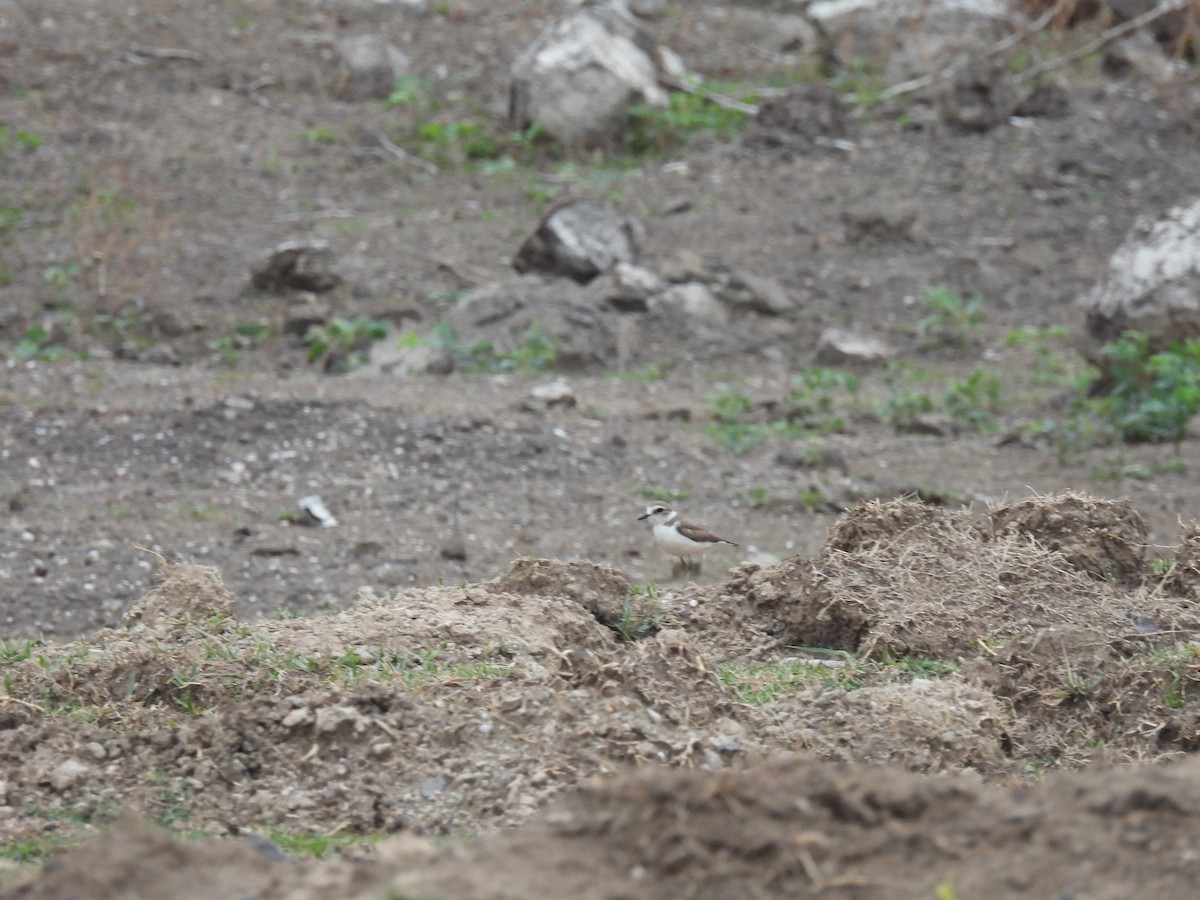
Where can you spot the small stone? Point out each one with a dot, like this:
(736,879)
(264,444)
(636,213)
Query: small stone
(756,293)
(581,240)
(305,265)
(309,313)
(454,549)
(433,785)
(68,774)
(843,348)
(331,718)
(369,67)
(692,302)
(724,744)
(555,393)
(313,512)
(96,750)
(683,265)
(299,716)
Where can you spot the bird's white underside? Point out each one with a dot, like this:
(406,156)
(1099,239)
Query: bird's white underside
(675,544)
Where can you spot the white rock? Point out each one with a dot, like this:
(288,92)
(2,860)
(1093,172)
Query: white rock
(1152,284)
(837,347)
(581,239)
(581,75)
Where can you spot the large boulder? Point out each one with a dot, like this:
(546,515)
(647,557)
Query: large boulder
(1152,284)
(578,79)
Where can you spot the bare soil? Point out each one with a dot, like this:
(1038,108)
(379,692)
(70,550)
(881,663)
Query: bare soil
(989,693)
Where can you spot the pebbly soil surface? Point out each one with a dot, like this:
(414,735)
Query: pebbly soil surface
(872,696)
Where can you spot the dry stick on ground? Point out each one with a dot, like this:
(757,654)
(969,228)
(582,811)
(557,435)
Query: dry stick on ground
(916,84)
(401,153)
(720,99)
(1103,40)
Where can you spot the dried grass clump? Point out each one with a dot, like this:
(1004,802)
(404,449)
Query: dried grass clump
(1183,578)
(185,593)
(902,578)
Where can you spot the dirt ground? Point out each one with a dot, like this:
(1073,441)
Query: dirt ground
(991,693)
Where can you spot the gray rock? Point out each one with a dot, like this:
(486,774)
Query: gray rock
(692,302)
(332,718)
(558,311)
(627,288)
(305,265)
(755,293)
(554,393)
(684,265)
(368,67)
(395,358)
(837,347)
(1152,284)
(578,79)
(69,773)
(581,239)
(301,317)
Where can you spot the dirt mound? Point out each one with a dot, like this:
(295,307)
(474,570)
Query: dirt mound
(1104,538)
(918,637)
(791,828)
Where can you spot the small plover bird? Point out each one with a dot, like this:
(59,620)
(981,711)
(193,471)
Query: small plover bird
(680,538)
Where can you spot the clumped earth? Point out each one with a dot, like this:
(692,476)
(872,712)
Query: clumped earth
(949,660)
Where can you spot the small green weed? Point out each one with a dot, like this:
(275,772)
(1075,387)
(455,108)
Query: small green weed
(38,344)
(813,403)
(26,139)
(949,319)
(812,407)
(757,497)
(1053,361)
(732,424)
(408,90)
(974,401)
(246,336)
(655,130)
(861,85)
(640,613)
(1152,396)
(537,352)
(10,218)
(760,684)
(321,134)
(319,846)
(344,344)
